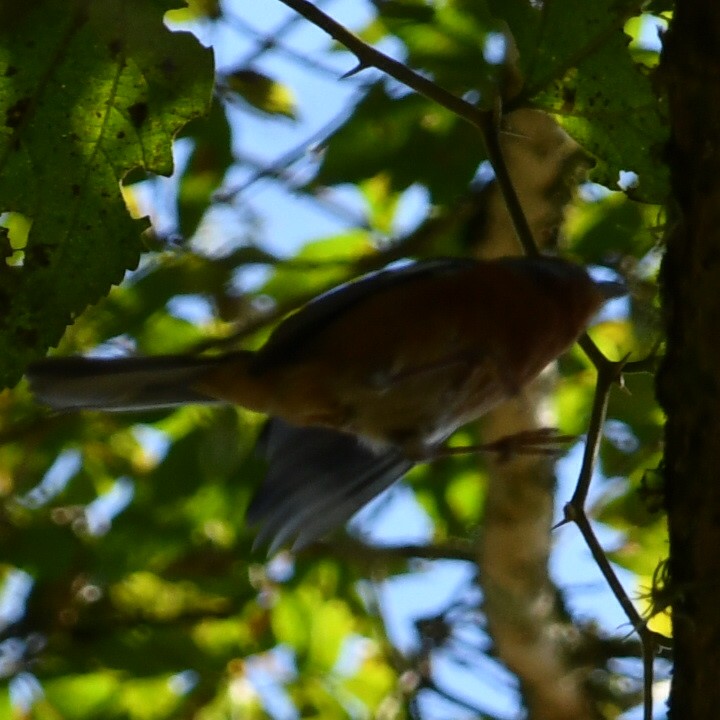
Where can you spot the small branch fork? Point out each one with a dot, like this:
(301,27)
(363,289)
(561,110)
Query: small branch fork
(609,372)
(485,121)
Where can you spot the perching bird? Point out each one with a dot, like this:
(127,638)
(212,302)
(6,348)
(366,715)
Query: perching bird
(362,382)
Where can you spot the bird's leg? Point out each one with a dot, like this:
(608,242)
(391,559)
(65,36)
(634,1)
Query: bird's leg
(542,441)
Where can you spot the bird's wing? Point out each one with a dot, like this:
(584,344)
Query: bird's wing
(317,479)
(290,336)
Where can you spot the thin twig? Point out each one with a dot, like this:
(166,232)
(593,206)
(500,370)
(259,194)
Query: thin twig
(295,153)
(356,551)
(320,196)
(267,43)
(592,351)
(607,376)
(485,121)
(648,639)
(608,373)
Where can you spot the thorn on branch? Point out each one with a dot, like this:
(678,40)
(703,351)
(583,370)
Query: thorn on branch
(568,517)
(354,71)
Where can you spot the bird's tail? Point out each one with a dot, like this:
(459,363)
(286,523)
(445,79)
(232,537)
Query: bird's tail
(137,383)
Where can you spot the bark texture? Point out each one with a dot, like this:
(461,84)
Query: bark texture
(689,381)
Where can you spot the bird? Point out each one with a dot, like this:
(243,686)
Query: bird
(362,382)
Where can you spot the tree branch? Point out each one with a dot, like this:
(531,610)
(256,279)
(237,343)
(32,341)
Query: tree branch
(608,373)
(484,120)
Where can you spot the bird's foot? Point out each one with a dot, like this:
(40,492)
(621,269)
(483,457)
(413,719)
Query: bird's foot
(541,441)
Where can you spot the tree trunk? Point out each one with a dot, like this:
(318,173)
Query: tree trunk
(689,380)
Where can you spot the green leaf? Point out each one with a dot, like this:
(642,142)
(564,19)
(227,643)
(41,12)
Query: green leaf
(612,225)
(262,92)
(623,127)
(567,53)
(381,202)
(452,47)
(88,92)
(83,696)
(409,139)
(332,623)
(373,682)
(210,159)
(196,9)
(407,10)
(149,698)
(319,265)
(644,547)
(465,496)
(290,622)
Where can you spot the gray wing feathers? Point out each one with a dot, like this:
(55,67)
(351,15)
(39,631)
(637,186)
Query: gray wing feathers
(316,481)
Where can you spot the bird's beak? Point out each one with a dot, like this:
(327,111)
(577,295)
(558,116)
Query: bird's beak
(610,289)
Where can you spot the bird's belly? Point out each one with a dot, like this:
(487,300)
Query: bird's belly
(422,411)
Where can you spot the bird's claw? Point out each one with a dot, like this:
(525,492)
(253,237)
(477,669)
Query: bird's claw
(540,441)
